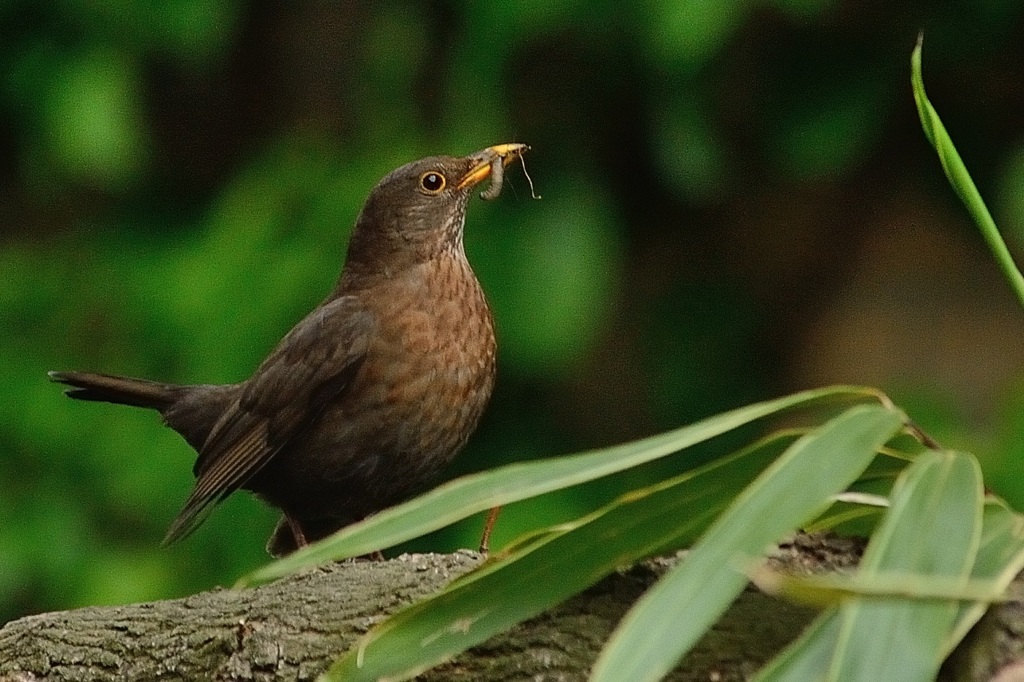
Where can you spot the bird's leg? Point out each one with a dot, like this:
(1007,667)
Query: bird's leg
(485,538)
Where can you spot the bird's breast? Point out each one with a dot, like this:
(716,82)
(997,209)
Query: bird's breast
(430,367)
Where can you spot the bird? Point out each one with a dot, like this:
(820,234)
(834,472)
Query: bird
(368,397)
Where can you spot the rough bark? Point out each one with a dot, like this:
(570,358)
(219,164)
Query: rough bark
(292,629)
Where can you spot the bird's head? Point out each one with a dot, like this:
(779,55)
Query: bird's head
(417,211)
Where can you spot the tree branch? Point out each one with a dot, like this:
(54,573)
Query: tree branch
(292,629)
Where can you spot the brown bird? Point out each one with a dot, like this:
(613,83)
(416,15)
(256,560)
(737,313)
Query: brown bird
(366,399)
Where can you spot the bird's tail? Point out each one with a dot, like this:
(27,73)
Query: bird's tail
(121,390)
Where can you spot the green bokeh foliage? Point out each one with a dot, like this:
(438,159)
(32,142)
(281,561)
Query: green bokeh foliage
(177,181)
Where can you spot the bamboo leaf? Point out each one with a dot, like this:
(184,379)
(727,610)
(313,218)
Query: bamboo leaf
(530,579)
(932,529)
(673,614)
(958,176)
(807,658)
(472,494)
(825,591)
(1000,559)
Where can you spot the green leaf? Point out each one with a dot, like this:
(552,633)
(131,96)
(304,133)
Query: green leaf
(809,656)
(549,568)
(841,515)
(958,176)
(857,511)
(673,614)
(1000,558)
(472,494)
(933,528)
(832,590)
(930,532)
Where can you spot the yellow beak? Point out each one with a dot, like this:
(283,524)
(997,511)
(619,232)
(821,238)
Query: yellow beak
(485,159)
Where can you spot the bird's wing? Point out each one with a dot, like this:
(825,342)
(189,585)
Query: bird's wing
(312,366)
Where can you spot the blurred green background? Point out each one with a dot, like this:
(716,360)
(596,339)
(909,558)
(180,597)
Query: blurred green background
(737,202)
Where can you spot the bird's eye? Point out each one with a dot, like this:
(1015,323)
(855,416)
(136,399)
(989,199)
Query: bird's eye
(432,182)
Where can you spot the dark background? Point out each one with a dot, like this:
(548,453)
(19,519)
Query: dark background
(737,202)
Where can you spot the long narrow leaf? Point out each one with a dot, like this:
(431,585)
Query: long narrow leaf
(958,176)
(475,493)
(673,614)
(1001,555)
(933,528)
(807,658)
(1000,559)
(822,591)
(525,582)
